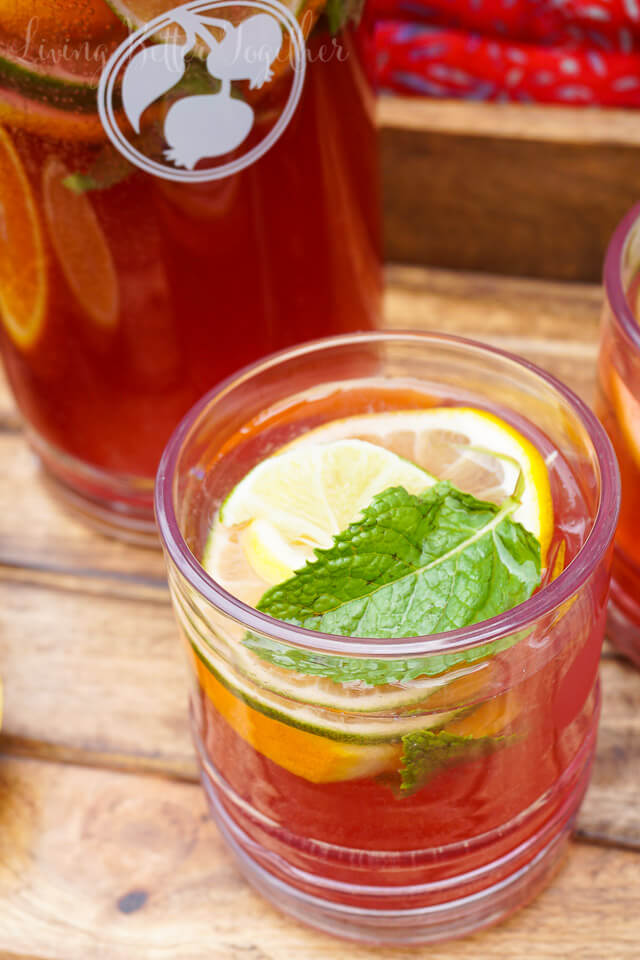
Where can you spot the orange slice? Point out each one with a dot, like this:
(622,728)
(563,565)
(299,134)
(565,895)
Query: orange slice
(309,755)
(489,719)
(49,20)
(17,111)
(23,274)
(80,246)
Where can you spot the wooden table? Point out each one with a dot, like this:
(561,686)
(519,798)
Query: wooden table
(106,849)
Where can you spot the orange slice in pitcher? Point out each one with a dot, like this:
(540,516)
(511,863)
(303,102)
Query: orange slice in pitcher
(23,273)
(80,246)
(19,111)
(49,20)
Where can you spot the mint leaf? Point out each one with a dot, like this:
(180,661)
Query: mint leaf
(339,12)
(413,565)
(426,753)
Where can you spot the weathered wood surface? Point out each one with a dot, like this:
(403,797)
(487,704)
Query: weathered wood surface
(98,792)
(514,189)
(97,864)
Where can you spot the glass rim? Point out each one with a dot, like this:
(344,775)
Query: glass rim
(612,278)
(548,599)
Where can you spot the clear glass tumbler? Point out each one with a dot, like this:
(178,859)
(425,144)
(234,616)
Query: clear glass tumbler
(179,196)
(618,406)
(299,774)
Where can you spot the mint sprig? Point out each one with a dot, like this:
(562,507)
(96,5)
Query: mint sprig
(426,753)
(412,565)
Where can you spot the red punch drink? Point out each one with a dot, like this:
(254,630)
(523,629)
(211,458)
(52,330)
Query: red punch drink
(172,211)
(618,406)
(389,558)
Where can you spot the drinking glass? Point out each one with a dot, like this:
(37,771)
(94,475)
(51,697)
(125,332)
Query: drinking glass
(302,788)
(179,197)
(618,406)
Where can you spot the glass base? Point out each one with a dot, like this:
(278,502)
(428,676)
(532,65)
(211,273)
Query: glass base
(116,505)
(379,915)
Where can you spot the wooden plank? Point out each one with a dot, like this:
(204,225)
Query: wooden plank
(96,677)
(555,325)
(524,191)
(544,123)
(38,532)
(93,677)
(96,865)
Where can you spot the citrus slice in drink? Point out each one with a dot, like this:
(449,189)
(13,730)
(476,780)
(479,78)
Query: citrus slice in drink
(80,246)
(23,268)
(293,503)
(50,66)
(17,110)
(475,450)
(49,20)
(324,746)
(627,409)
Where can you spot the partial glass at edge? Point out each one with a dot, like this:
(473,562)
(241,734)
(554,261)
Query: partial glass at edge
(618,406)
(480,839)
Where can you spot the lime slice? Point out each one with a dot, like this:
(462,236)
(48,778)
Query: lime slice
(81,248)
(53,86)
(23,267)
(294,503)
(339,726)
(476,450)
(324,746)
(460,688)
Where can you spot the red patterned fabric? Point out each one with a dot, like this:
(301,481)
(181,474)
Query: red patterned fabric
(547,51)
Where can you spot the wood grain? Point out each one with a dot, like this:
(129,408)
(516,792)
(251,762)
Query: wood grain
(94,677)
(555,325)
(96,864)
(36,532)
(546,124)
(521,191)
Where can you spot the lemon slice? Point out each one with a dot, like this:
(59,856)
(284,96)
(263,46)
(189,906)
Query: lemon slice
(296,501)
(627,409)
(476,450)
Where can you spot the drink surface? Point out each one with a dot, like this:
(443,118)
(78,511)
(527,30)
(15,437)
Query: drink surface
(315,768)
(125,296)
